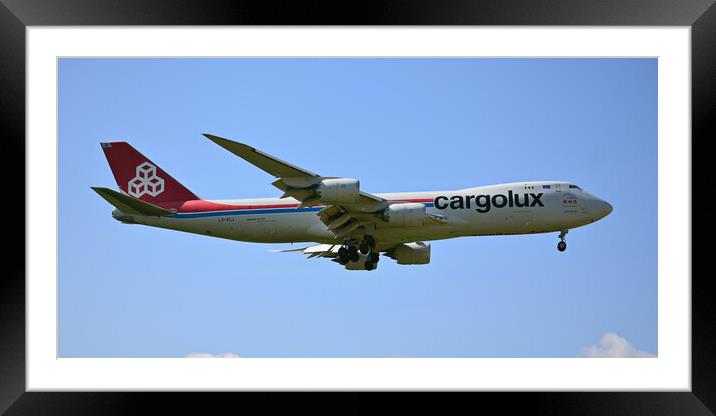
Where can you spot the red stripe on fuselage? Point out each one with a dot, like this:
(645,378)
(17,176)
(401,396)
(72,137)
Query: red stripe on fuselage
(200,205)
(411,200)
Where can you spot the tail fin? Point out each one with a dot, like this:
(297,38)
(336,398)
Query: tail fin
(139,177)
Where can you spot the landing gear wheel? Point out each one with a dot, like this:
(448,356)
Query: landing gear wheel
(353,253)
(561,246)
(364,248)
(374,257)
(367,245)
(369,265)
(343,255)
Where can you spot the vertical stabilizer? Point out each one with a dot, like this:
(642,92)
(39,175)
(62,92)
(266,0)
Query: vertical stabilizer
(139,177)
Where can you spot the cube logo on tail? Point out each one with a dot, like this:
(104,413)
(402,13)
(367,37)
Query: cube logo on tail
(139,177)
(146,181)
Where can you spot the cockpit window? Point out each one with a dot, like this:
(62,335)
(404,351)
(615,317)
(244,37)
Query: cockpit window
(575,186)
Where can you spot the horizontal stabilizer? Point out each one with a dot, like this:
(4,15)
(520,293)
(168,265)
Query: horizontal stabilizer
(130,205)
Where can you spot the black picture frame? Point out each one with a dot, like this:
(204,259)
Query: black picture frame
(16,15)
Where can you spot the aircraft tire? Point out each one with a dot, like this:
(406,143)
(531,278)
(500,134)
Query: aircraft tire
(353,256)
(364,248)
(561,246)
(369,265)
(374,257)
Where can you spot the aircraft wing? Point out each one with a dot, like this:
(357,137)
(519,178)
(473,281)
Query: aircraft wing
(301,184)
(261,160)
(319,250)
(330,250)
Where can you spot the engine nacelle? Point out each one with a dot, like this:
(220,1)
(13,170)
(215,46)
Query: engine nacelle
(411,253)
(339,191)
(407,214)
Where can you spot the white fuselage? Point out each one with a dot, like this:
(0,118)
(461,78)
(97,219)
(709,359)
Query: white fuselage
(515,208)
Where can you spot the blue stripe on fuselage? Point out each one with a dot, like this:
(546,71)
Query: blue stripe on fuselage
(253,211)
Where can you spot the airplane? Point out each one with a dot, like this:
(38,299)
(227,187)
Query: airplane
(348,225)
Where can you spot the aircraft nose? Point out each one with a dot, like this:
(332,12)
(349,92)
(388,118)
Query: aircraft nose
(602,208)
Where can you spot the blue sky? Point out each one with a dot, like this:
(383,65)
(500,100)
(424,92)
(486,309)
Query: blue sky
(397,125)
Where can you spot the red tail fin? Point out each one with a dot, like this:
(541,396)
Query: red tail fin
(139,177)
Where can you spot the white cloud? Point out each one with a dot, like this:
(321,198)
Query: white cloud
(209,355)
(613,346)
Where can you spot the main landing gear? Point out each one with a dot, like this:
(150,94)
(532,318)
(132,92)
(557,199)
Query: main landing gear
(562,245)
(349,252)
(367,246)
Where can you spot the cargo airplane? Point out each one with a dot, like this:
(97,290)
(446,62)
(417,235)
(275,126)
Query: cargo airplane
(352,227)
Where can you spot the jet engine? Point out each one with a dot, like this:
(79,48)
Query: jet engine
(411,253)
(339,191)
(406,214)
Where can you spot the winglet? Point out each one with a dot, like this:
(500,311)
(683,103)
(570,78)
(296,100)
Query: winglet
(130,205)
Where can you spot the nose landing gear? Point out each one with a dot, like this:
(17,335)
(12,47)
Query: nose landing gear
(562,245)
